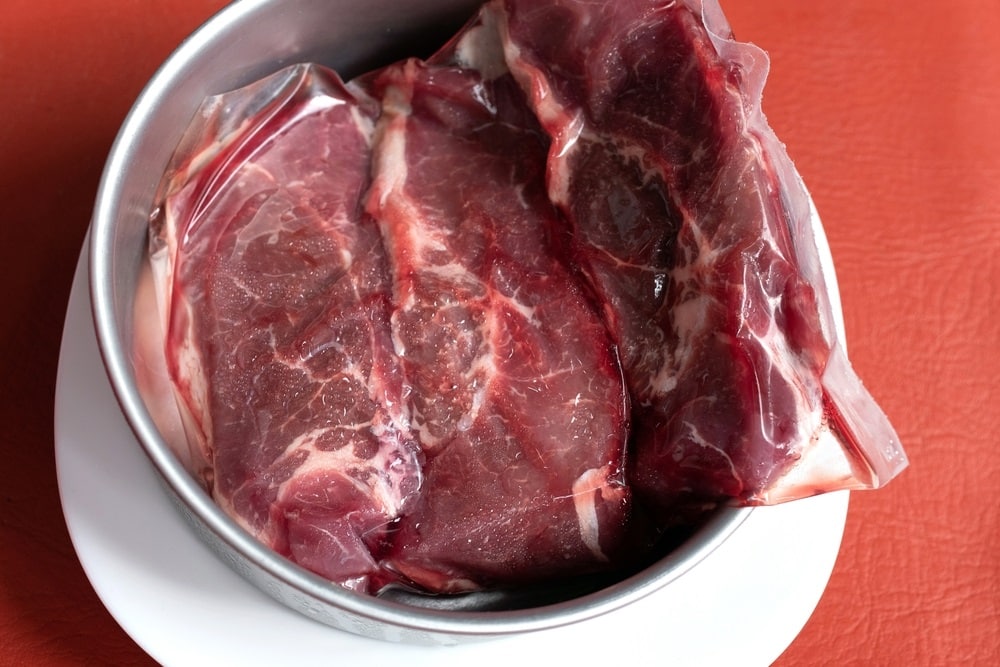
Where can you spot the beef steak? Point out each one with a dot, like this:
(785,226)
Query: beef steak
(516,390)
(278,338)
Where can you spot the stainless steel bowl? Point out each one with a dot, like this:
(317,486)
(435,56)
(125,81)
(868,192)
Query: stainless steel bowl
(247,40)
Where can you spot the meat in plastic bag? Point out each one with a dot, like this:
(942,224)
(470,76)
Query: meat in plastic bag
(503,315)
(276,304)
(700,239)
(418,391)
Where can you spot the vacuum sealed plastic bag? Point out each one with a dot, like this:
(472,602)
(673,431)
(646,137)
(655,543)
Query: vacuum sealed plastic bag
(506,314)
(698,236)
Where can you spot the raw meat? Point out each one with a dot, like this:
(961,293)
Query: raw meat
(278,337)
(693,228)
(466,378)
(517,392)
(507,314)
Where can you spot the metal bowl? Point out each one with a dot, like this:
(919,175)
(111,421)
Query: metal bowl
(244,42)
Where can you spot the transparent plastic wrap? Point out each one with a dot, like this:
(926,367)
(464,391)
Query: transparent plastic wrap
(699,237)
(505,315)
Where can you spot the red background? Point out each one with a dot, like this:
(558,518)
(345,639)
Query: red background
(890,109)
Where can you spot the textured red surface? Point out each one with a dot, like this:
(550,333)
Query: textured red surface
(890,110)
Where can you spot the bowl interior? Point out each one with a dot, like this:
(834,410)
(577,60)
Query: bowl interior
(246,41)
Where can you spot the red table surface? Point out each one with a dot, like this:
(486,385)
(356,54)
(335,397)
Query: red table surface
(890,109)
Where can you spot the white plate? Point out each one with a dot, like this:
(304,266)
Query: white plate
(743,604)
